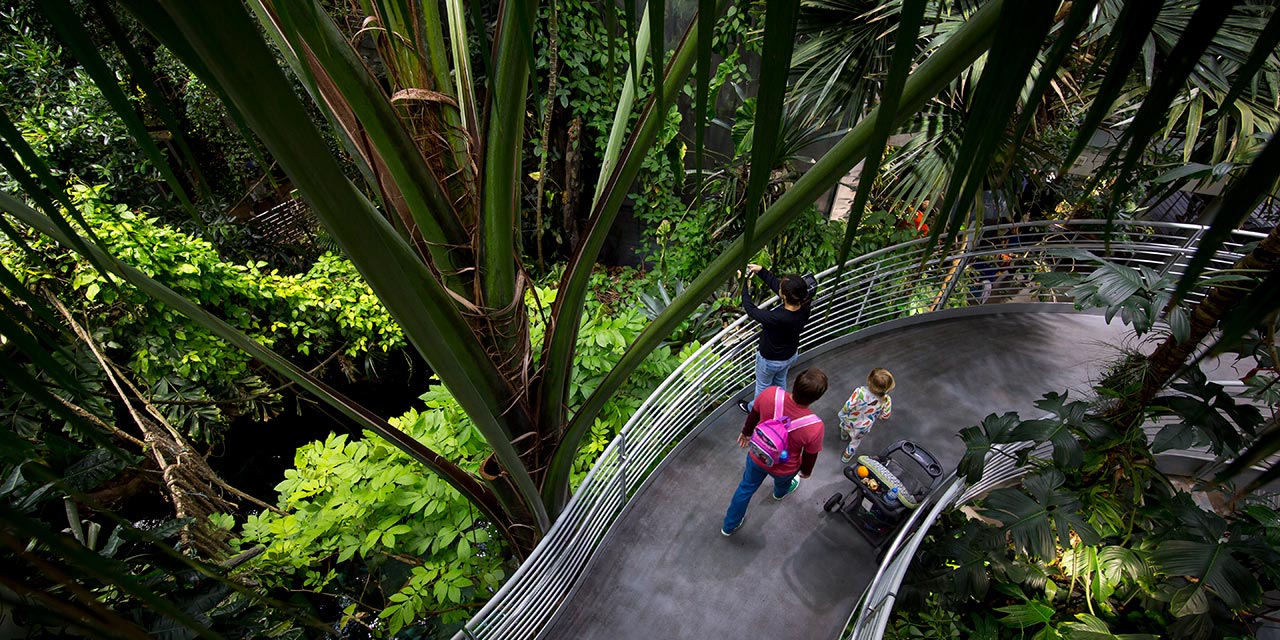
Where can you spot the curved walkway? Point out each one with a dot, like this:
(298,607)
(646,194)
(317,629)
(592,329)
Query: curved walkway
(792,571)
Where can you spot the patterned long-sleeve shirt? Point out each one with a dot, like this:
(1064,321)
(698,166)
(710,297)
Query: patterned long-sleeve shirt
(862,409)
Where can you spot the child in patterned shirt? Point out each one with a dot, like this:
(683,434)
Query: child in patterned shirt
(863,407)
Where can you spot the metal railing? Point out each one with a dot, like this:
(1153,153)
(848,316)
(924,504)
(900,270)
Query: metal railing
(869,620)
(876,291)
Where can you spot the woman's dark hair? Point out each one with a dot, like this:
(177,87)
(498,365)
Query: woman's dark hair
(810,385)
(794,290)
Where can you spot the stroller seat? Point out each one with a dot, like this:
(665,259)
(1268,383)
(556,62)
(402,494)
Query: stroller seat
(872,506)
(887,473)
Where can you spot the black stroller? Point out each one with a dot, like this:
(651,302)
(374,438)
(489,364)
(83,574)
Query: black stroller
(886,489)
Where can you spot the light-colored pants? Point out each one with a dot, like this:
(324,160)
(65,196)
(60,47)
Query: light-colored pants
(855,434)
(770,373)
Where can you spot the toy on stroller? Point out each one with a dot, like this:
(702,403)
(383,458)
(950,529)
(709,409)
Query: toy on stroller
(886,489)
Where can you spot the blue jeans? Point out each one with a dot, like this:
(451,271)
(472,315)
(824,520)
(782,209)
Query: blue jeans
(752,477)
(770,373)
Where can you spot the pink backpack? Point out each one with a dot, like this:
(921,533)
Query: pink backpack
(769,439)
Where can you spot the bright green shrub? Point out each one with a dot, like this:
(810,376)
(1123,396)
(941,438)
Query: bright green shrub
(306,317)
(357,507)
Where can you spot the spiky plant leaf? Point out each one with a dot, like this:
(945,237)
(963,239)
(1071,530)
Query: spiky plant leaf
(1127,39)
(1032,515)
(1211,569)
(1027,614)
(1021,33)
(903,53)
(76,37)
(1225,213)
(1174,71)
(779,40)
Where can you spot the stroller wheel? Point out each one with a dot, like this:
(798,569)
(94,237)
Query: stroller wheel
(832,503)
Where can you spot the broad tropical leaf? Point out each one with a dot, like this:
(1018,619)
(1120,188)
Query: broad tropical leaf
(1212,571)
(979,440)
(1031,517)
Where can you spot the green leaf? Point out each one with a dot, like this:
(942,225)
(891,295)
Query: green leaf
(347,553)
(1067,452)
(1188,170)
(71,26)
(1173,437)
(94,469)
(1116,283)
(1031,516)
(976,447)
(1025,615)
(1214,569)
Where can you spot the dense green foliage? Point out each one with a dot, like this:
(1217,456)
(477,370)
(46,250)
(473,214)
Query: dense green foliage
(363,508)
(1097,539)
(63,116)
(202,382)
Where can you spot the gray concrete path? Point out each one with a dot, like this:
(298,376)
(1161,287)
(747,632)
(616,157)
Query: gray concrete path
(793,571)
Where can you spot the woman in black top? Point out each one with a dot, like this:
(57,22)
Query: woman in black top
(780,328)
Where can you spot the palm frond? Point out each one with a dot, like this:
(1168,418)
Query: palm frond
(904,51)
(77,39)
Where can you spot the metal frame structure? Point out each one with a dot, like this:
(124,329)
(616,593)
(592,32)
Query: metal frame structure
(874,292)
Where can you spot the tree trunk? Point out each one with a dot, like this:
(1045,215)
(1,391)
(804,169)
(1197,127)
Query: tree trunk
(1169,358)
(520,530)
(573,185)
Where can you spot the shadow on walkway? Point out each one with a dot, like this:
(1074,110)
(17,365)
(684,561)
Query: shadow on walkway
(793,571)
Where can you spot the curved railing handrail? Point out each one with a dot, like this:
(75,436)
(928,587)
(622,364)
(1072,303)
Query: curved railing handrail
(988,266)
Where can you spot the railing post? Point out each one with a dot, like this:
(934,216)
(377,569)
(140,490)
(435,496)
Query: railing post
(962,263)
(1192,241)
(953,278)
(866,293)
(622,463)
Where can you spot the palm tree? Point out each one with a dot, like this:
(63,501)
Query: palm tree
(440,153)
(1212,118)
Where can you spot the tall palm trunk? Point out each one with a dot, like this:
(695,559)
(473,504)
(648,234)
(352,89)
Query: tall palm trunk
(1172,354)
